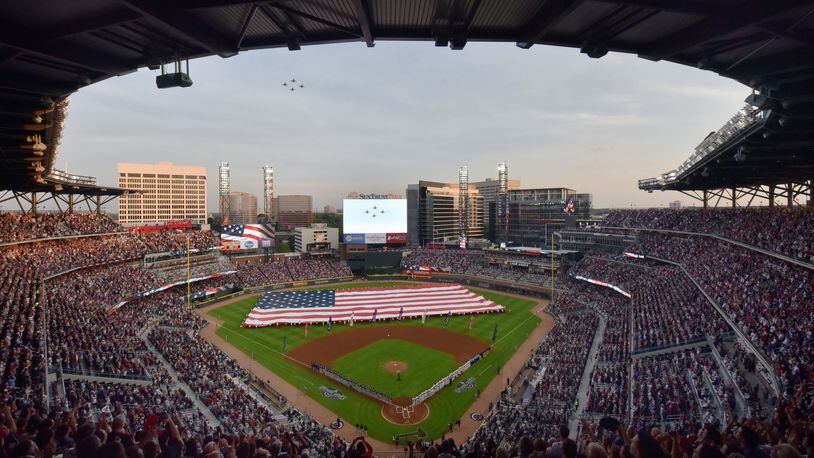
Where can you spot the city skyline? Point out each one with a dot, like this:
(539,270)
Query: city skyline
(387,116)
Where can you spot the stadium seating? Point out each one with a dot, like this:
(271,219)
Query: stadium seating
(15,226)
(519,268)
(664,361)
(784,230)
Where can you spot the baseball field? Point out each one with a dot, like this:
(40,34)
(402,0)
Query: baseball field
(397,358)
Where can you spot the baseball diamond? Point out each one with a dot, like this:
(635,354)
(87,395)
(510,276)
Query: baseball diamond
(380,367)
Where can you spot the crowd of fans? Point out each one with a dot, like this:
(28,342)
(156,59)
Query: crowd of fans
(21,331)
(666,357)
(16,226)
(89,335)
(291,270)
(772,301)
(785,230)
(560,361)
(520,268)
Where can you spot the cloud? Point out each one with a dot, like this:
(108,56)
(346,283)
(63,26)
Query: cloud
(378,119)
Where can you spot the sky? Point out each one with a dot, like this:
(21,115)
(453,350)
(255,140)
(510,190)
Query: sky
(375,120)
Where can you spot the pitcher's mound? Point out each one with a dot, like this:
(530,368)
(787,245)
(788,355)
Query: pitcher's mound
(395,366)
(402,414)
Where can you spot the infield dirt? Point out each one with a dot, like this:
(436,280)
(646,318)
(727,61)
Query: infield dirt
(328,348)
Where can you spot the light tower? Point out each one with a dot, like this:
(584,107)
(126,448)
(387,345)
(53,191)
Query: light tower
(463,205)
(502,223)
(268,190)
(223,191)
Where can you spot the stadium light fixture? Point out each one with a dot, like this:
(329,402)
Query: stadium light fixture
(176,79)
(594,50)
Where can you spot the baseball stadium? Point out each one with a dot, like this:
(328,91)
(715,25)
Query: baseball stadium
(474,319)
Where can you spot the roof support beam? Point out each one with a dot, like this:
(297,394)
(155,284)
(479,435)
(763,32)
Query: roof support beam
(547,17)
(290,29)
(693,7)
(35,85)
(360,7)
(245,27)
(185,24)
(718,25)
(73,54)
(287,9)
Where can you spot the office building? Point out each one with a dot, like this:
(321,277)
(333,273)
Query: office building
(242,208)
(330,209)
(488,189)
(432,213)
(290,211)
(168,192)
(535,214)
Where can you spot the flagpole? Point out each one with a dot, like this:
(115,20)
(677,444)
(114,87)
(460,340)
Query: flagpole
(552,267)
(188,273)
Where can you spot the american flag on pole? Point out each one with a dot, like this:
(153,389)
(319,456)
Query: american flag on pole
(569,207)
(249,235)
(301,307)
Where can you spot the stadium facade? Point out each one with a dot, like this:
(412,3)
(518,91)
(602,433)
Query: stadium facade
(316,239)
(166,191)
(536,214)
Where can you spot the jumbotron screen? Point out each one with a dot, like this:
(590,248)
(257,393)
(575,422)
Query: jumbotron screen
(374,221)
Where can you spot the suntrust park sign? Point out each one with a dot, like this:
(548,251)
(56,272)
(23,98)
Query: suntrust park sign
(359,195)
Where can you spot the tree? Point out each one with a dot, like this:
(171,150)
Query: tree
(215,222)
(283,247)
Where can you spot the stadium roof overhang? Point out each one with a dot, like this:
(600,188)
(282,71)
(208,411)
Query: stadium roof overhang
(50,49)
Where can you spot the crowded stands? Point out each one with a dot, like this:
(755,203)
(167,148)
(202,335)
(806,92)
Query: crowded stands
(666,363)
(518,268)
(784,230)
(16,227)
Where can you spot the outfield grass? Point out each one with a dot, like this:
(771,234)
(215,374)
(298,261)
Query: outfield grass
(425,366)
(264,345)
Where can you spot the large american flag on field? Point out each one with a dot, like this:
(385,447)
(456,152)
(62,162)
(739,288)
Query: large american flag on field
(249,235)
(353,305)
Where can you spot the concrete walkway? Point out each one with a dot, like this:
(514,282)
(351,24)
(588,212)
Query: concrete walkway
(253,394)
(585,383)
(671,349)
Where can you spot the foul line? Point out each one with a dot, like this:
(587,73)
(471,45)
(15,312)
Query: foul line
(484,370)
(516,327)
(305,380)
(256,343)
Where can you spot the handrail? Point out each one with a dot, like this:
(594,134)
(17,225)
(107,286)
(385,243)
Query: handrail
(764,360)
(724,372)
(40,303)
(773,254)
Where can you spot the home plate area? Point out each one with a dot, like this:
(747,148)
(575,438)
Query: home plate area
(402,413)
